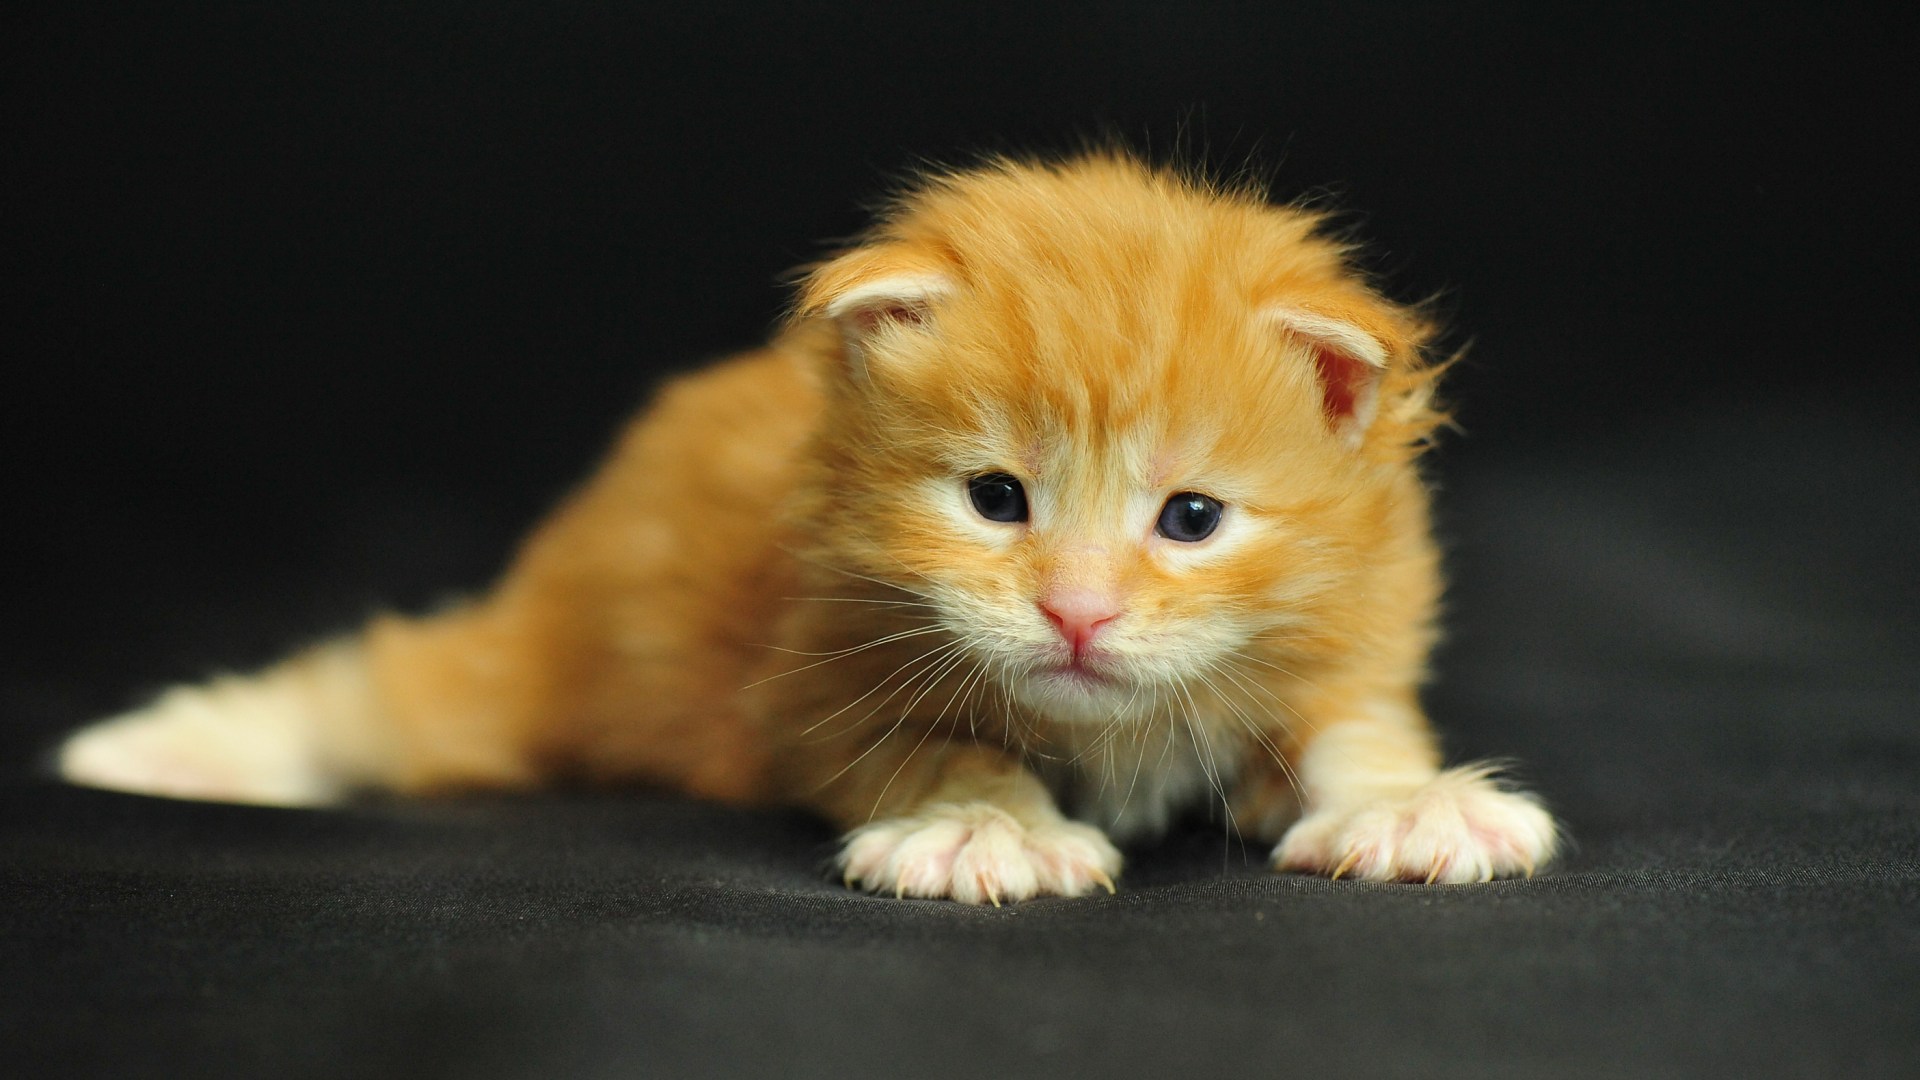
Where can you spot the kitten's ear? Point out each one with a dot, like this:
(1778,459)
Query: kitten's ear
(1349,362)
(870,293)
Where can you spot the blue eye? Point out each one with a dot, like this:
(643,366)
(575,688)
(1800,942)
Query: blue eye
(1190,517)
(998,497)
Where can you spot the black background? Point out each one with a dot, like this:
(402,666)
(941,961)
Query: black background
(312,309)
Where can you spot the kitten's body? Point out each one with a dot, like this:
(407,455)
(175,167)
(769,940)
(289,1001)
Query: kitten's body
(786,586)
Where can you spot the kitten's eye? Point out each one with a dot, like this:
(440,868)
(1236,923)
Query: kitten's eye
(1189,517)
(998,497)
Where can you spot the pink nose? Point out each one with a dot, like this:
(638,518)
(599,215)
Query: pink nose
(1079,614)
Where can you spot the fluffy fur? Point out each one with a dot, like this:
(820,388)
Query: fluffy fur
(778,589)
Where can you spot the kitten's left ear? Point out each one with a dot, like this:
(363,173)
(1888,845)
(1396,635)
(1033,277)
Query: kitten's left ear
(1349,361)
(871,291)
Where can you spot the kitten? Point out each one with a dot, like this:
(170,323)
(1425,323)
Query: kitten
(1079,488)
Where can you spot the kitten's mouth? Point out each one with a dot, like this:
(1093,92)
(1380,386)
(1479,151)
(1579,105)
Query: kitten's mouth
(1076,689)
(1078,672)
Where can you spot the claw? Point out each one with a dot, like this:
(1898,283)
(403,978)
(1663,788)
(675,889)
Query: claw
(899,890)
(1528,867)
(1433,875)
(1105,882)
(1345,865)
(991,895)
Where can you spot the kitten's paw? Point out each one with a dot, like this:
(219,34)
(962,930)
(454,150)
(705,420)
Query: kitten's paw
(978,853)
(1460,827)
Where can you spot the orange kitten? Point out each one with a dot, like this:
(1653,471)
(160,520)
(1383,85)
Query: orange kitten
(1075,489)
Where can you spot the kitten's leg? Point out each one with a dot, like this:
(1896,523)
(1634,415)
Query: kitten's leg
(1378,807)
(962,821)
(409,705)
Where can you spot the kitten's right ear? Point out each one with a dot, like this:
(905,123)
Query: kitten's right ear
(1349,361)
(870,293)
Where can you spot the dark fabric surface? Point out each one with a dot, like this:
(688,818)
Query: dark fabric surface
(311,312)
(1718,694)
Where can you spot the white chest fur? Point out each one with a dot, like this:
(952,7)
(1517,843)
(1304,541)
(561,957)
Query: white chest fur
(1133,778)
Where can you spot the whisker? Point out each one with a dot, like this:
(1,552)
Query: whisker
(880,798)
(935,651)
(1309,683)
(842,653)
(958,657)
(856,575)
(938,721)
(888,734)
(833,654)
(859,600)
(1261,737)
(974,681)
(1242,685)
(1282,702)
(1102,742)
(1127,799)
(1099,742)
(1311,727)
(1166,747)
(1196,731)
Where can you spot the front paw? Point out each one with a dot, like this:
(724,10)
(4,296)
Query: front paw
(1460,827)
(976,852)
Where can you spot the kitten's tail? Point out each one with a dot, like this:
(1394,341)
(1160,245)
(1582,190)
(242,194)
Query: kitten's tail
(323,723)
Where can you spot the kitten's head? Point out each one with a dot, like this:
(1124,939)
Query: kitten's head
(1118,426)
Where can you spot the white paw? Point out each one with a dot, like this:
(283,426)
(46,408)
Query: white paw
(232,741)
(978,853)
(1460,827)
